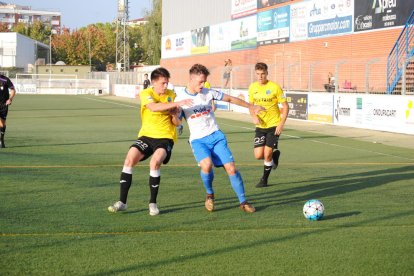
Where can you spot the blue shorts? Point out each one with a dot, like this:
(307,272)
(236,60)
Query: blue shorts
(213,146)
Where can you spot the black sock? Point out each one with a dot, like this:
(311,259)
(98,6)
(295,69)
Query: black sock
(154,184)
(266,172)
(2,132)
(125,183)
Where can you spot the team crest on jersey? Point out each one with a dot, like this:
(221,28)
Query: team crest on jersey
(169,99)
(268,92)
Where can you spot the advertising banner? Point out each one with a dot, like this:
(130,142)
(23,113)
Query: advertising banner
(298,21)
(268,3)
(273,26)
(320,107)
(329,17)
(243,95)
(244,33)
(200,40)
(241,8)
(378,112)
(298,105)
(345,110)
(177,45)
(376,14)
(220,37)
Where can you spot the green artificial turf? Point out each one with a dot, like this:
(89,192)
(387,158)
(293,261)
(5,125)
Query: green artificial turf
(61,168)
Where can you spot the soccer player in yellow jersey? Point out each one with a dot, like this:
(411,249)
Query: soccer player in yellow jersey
(159,115)
(269,123)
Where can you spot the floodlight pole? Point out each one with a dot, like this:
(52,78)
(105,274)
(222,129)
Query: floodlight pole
(50,56)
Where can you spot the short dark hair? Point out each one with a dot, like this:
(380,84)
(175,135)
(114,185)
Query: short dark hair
(160,72)
(198,69)
(261,66)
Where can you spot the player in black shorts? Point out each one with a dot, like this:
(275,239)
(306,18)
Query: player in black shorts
(155,139)
(269,123)
(7,93)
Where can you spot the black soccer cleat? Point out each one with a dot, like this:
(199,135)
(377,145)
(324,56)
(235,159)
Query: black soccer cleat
(275,156)
(2,144)
(262,183)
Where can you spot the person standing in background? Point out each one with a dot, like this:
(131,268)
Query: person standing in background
(146,81)
(7,93)
(228,67)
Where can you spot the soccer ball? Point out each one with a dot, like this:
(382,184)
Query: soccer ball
(313,209)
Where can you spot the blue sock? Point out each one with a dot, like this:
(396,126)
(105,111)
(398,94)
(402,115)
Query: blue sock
(238,186)
(207,179)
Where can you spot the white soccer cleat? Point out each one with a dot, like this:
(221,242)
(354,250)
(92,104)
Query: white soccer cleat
(118,206)
(153,209)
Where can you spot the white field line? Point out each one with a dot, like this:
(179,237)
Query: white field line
(112,102)
(333,145)
(292,136)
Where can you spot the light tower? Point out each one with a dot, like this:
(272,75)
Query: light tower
(122,36)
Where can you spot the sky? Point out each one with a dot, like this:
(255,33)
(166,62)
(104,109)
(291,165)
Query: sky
(80,13)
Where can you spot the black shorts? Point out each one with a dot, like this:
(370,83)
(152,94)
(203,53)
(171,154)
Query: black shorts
(3,111)
(266,136)
(148,146)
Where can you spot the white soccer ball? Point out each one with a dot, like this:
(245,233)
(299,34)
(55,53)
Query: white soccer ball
(313,209)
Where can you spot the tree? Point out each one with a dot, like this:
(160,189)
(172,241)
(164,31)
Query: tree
(136,53)
(95,43)
(37,31)
(151,36)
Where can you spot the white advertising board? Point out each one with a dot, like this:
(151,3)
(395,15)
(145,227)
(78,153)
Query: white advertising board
(320,107)
(240,8)
(378,112)
(176,45)
(127,90)
(243,95)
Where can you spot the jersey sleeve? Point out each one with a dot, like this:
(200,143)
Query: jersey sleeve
(146,97)
(281,97)
(10,84)
(217,95)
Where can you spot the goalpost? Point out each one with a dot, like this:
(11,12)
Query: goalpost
(63,84)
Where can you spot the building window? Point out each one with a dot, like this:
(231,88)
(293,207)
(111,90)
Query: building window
(61,70)
(47,70)
(76,70)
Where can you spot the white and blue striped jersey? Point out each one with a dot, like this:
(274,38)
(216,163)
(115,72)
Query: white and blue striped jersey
(200,117)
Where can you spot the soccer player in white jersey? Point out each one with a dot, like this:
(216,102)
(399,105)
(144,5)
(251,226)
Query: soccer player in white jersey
(207,141)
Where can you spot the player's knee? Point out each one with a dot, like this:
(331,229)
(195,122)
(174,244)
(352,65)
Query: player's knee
(231,170)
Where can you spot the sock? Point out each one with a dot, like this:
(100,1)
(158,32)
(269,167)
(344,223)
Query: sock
(207,179)
(2,132)
(125,183)
(267,168)
(238,186)
(275,144)
(154,184)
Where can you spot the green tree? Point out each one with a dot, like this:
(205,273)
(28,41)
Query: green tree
(94,43)
(151,35)
(37,31)
(136,53)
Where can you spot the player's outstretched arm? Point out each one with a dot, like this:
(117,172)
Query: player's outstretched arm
(253,109)
(168,106)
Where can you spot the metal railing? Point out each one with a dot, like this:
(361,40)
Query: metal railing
(353,75)
(402,51)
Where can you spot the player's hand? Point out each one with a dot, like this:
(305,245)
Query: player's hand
(279,129)
(8,102)
(256,120)
(256,109)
